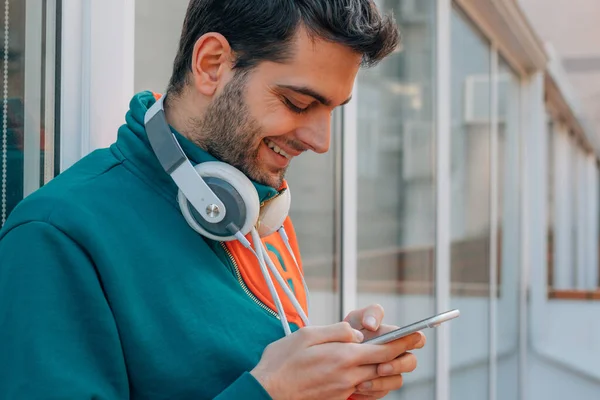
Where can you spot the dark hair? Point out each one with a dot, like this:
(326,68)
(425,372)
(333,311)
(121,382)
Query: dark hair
(262,30)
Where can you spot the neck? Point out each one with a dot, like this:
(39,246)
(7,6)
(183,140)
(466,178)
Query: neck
(182,116)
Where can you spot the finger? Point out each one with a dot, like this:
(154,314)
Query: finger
(385,384)
(362,374)
(340,332)
(372,317)
(407,362)
(369,317)
(422,342)
(381,353)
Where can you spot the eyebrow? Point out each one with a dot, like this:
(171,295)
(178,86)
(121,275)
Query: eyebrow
(312,93)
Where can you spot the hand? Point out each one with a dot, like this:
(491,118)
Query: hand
(368,321)
(322,363)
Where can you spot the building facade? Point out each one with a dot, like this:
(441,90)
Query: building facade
(463,174)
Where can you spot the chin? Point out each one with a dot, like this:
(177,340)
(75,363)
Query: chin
(274,180)
(265,176)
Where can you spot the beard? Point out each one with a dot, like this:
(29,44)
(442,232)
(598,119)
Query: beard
(230,133)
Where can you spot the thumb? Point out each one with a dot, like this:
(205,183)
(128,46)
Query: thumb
(340,332)
(369,317)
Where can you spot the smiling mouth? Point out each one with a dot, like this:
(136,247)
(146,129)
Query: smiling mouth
(276,149)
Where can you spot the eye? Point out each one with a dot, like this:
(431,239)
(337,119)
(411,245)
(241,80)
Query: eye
(294,108)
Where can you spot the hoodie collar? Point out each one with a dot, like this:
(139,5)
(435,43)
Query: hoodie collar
(134,148)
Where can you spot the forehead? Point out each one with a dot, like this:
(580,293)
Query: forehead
(328,67)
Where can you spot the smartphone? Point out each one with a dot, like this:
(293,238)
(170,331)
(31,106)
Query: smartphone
(431,322)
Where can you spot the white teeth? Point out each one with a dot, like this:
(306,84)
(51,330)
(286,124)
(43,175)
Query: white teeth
(276,149)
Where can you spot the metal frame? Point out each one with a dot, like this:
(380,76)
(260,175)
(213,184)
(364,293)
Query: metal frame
(349,233)
(72,129)
(532,122)
(338,127)
(443,149)
(86,75)
(50,90)
(592,223)
(524,253)
(33,96)
(581,214)
(493,260)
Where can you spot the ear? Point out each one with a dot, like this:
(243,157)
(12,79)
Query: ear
(211,62)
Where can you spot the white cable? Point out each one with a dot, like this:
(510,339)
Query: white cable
(258,250)
(5,111)
(285,287)
(284,237)
(263,258)
(258,254)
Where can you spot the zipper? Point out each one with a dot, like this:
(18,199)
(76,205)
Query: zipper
(243,284)
(239,275)
(272,198)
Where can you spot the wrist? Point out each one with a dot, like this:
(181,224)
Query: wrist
(263,378)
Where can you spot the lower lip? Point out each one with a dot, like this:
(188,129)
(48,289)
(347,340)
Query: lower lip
(277,159)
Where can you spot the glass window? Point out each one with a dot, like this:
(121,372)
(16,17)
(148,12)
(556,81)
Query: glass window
(27,156)
(470,209)
(396,184)
(312,177)
(509,238)
(313,182)
(564,251)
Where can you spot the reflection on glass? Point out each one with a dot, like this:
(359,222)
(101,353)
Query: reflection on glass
(470,209)
(396,185)
(311,177)
(26,154)
(508,234)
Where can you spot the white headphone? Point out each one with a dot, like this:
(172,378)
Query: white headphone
(219,202)
(216,199)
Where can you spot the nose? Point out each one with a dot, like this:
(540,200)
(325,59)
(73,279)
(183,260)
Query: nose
(316,132)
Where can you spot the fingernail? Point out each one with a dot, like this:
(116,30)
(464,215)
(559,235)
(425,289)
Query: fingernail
(370,322)
(365,386)
(386,369)
(418,338)
(359,335)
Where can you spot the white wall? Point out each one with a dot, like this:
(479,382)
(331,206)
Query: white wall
(550,381)
(157,29)
(575,323)
(97,74)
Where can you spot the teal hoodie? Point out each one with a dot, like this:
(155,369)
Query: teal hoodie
(106,293)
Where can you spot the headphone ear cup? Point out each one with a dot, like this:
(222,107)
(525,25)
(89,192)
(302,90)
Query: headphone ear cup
(242,204)
(273,214)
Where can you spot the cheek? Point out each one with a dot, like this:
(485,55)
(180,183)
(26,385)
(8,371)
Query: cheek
(273,119)
(278,124)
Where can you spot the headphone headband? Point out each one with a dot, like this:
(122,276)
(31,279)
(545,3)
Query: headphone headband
(178,166)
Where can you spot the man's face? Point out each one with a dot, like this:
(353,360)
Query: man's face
(264,118)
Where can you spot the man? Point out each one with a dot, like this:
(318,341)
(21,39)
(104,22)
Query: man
(107,293)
